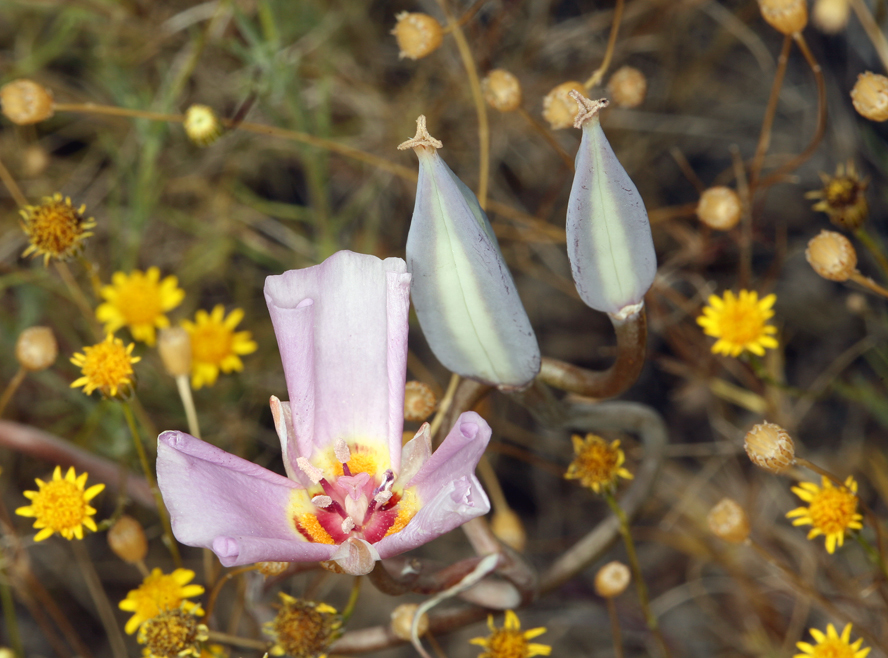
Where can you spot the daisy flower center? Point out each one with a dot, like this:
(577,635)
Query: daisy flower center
(55,228)
(158,593)
(832,511)
(60,505)
(139,300)
(741,323)
(833,648)
(506,643)
(211,343)
(597,464)
(106,366)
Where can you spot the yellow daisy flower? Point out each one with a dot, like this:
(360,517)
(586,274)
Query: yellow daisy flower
(61,505)
(215,345)
(107,366)
(831,510)
(139,301)
(509,641)
(55,229)
(832,645)
(160,592)
(739,323)
(597,465)
(303,629)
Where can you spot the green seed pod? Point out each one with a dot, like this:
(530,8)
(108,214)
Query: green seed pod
(464,295)
(609,240)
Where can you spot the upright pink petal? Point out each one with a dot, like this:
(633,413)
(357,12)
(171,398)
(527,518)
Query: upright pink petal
(342,331)
(234,507)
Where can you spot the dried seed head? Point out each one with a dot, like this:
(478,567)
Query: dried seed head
(202,125)
(612,579)
(418,35)
(127,539)
(419,401)
(36,348)
(268,569)
(627,87)
(175,350)
(719,208)
(832,256)
(870,96)
(303,628)
(25,102)
(785,16)
(843,197)
(173,634)
(559,109)
(770,447)
(831,16)
(509,529)
(402,621)
(502,91)
(728,521)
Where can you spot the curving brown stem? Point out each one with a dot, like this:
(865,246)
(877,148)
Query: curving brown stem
(770,112)
(631,341)
(50,448)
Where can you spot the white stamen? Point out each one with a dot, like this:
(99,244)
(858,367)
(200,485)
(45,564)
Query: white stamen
(382,497)
(340,449)
(347,524)
(322,501)
(313,472)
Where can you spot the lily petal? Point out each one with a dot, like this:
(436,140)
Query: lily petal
(234,507)
(350,314)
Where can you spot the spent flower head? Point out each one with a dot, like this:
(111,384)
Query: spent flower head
(303,629)
(106,366)
(509,641)
(770,447)
(139,300)
(36,348)
(832,511)
(172,634)
(25,102)
(55,229)
(832,645)
(842,197)
(739,322)
(160,592)
(62,505)
(216,346)
(597,464)
(202,125)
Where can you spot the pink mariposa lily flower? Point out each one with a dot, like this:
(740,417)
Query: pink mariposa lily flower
(352,493)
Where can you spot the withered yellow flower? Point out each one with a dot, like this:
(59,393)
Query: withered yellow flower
(509,641)
(597,465)
(55,229)
(160,592)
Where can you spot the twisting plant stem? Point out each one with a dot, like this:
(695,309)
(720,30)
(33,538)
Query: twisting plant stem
(480,108)
(765,134)
(637,576)
(597,77)
(149,476)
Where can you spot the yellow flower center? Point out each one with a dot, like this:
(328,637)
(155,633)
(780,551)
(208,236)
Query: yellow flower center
(741,323)
(138,300)
(173,633)
(833,648)
(60,505)
(507,643)
(302,628)
(211,343)
(54,227)
(598,462)
(157,594)
(841,191)
(107,365)
(832,510)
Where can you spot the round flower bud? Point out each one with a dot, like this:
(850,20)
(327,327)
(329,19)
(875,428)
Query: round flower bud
(831,16)
(35,160)
(36,348)
(870,96)
(785,16)
(402,621)
(719,208)
(175,350)
(832,256)
(728,521)
(507,527)
(502,91)
(25,102)
(627,87)
(559,109)
(612,579)
(202,125)
(127,539)
(770,447)
(418,35)
(419,401)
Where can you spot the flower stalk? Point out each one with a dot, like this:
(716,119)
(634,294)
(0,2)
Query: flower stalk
(631,332)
